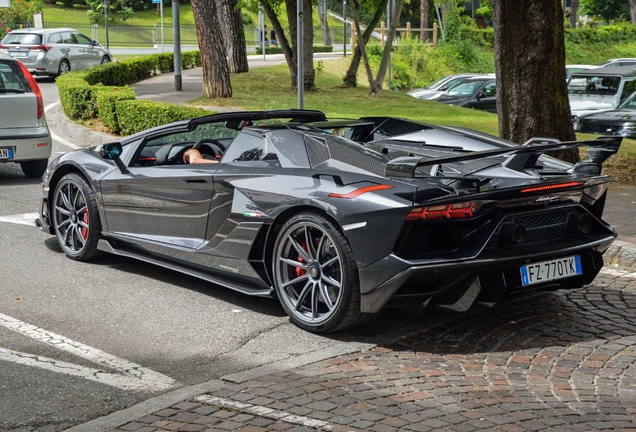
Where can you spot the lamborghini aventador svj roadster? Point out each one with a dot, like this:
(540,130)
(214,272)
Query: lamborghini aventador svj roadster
(337,219)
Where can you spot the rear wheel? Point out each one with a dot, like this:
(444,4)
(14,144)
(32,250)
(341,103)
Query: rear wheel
(316,276)
(34,169)
(64,67)
(76,218)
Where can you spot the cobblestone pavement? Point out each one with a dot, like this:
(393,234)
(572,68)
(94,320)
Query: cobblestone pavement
(562,360)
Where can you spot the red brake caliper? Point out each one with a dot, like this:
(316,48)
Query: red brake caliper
(84,229)
(299,271)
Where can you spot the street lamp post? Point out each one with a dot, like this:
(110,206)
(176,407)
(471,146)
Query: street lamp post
(176,29)
(106,22)
(300,81)
(344,27)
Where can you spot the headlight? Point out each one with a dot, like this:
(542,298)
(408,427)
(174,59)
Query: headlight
(627,130)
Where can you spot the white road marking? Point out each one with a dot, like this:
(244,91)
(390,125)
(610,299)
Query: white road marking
(58,138)
(266,412)
(22,219)
(129,376)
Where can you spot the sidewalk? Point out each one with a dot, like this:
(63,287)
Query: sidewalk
(559,361)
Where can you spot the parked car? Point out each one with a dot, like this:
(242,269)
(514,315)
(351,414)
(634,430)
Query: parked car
(438,87)
(53,52)
(619,62)
(24,134)
(621,121)
(572,69)
(477,92)
(600,89)
(334,229)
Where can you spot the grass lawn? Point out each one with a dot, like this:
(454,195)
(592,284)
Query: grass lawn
(269,88)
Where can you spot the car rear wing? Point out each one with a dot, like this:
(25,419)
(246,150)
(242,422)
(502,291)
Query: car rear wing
(520,159)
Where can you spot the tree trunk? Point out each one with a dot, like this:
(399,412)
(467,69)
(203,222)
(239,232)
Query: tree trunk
(423,20)
(290,7)
(632,10)
(231,21)
(216,73)
(574,13)
(324,24)
(351,77)
(384,61)
(308,47)
(532,98)
(283,43)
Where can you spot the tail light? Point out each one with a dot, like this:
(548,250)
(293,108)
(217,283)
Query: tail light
(35,88)
(463,210)
(551,187)
(42,48)
(4,48)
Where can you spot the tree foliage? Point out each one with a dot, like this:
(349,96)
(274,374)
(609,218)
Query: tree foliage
(21,11)
(606,10)
(122,8)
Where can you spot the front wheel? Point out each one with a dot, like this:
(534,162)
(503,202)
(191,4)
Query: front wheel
(105,60)
(76,218)
(316,276)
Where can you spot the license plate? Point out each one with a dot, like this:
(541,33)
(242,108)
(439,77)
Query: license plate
(6,153)
(18,53)
(551,270)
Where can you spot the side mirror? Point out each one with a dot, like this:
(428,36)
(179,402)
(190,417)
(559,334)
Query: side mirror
(95,43)
(113,151)
(443,88)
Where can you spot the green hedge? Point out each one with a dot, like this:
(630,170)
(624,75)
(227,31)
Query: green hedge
(97,92)
(138,115)
(106,98)
(279,50)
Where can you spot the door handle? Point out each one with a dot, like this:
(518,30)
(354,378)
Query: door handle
(195,181)
(83,50)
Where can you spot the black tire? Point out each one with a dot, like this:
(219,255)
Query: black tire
(34,169)
(319,268)
(75,218)
(64,67)
(105,60)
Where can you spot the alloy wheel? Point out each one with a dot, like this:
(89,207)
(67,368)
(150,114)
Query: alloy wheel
(309,273)
(71,217)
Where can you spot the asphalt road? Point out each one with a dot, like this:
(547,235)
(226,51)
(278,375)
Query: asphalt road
(81,340)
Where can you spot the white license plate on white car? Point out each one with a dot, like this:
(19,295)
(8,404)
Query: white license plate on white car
(6,153)
(551,270)
(19,53)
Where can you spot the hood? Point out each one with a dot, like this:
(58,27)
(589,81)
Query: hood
(614,116)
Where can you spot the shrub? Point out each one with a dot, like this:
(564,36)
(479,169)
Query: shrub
(76,95)
(105,98)
(138,115)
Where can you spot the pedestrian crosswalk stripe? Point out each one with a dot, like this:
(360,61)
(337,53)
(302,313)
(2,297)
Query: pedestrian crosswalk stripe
(22,219)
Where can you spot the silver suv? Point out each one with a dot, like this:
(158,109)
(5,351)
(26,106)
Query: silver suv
(24,134)
(54,52)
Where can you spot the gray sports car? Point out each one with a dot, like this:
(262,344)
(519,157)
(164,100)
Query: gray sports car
(337,219)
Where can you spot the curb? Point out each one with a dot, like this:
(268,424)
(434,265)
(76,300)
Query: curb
(621,254)
(147,407)
(81,135)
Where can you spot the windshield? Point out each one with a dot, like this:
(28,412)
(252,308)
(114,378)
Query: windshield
(438,83)
(466,88)
(594,85)
(22,39)
(629,103)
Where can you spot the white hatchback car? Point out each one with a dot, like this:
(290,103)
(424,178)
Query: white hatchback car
(24,135)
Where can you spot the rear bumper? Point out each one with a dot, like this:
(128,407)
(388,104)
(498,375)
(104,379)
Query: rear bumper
(496,272)
(27,143)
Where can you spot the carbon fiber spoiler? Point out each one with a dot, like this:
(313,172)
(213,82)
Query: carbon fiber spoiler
(522,158)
